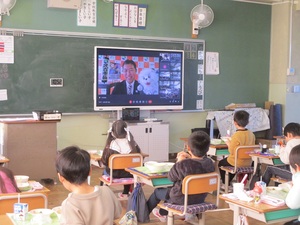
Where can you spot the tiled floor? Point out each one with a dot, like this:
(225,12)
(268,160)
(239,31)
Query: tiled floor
(59,193)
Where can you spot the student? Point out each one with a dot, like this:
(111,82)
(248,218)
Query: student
(292,137)
(85,204)
(241,137)
(7,181)
(194,161)
(119,141)
(128,86)
(293,197)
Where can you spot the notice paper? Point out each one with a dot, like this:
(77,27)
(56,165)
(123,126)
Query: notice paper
(6,49)
(3,95)
(212,63)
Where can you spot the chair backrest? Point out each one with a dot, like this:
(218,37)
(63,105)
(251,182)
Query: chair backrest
(242,152)
(200,183)
(122,161)
(34,200)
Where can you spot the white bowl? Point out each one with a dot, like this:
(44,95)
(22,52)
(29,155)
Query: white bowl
(41,216)
(215,141)
(155,167)
(57,210)
(168,165)
(24,186)
(225,139)
(41,211)
(21,179)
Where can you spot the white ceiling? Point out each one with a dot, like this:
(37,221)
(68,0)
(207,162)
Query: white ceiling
(267,2)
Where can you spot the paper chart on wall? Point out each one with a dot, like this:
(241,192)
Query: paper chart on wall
(212,63)
(87,14)
(6,49)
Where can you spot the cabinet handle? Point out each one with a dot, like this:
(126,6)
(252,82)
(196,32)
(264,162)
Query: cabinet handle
(150,130)
(146,130)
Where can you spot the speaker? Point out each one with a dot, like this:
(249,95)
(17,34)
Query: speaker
(65,4)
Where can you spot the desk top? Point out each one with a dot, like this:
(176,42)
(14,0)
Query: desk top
(136,171)
(44,190)
(220,146)
(25,120)
(4,160)
(258,207)
(267,155)
(4,219)
(97,157)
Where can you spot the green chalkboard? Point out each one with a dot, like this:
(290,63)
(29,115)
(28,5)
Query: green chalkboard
(41,57)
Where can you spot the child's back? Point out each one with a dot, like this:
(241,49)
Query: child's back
(85,204)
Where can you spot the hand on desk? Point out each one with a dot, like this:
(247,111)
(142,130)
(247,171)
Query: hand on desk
(183,155)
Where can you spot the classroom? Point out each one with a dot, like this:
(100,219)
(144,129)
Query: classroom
(257,42)
(246,35)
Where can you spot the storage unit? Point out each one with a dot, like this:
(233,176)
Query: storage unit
(153,139)
(30,146)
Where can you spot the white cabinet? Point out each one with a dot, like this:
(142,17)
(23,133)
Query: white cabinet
(153,139)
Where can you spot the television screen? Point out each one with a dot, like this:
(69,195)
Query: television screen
(150,79)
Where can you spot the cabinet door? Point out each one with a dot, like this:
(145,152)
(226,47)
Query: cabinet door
(159,142)
(140,134)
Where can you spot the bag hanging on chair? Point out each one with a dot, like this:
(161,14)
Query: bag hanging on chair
(138,203)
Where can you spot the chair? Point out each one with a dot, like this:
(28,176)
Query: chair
(242,152)
(195,184)
(34,200)
(121,161)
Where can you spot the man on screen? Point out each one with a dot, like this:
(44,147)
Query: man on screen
(128,86)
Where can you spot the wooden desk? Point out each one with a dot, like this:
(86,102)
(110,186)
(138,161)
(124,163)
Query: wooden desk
(269,159)
(155,180)
(4,219)
(3,161)
(214,150)
(262,212)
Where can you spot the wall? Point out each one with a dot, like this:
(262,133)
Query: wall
(293,99)
(240,32)
(285,53)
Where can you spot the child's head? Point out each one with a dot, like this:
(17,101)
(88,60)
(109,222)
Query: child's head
(292,128)
(199,143)
(73,164)
(119,129)
(294,158)
(241,118)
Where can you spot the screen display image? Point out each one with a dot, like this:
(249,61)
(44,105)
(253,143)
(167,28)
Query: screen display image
(150,79)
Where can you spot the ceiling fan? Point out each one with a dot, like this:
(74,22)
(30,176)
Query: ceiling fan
(201,16)
(5,7)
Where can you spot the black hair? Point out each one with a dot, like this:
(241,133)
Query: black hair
(10,176)
(294,156)
(129,61)
(199,143)
(119,130)
(293,128)
(73,163)
(241,117)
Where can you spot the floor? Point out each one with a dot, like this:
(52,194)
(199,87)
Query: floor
(59,193)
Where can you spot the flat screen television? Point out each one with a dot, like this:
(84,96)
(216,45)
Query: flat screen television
(159,76)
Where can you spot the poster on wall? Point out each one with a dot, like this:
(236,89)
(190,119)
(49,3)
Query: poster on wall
(87,14)
(6,49)
(130,15)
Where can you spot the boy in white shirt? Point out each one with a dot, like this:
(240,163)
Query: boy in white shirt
(292,137)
